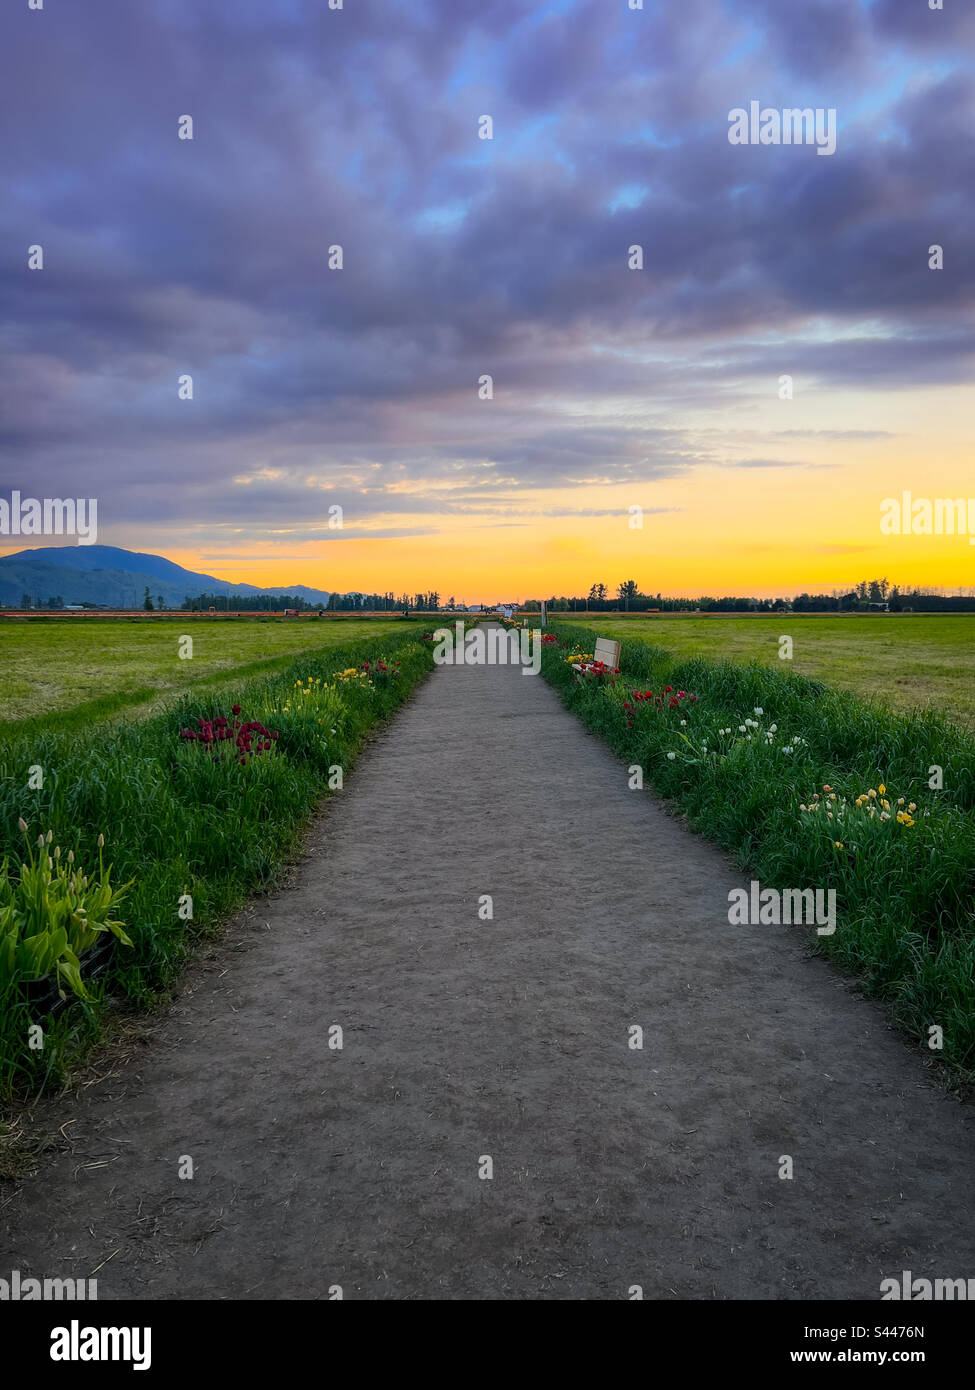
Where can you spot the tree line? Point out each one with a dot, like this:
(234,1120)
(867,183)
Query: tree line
(381,603)
(627,596)
(337,603)
(869,593)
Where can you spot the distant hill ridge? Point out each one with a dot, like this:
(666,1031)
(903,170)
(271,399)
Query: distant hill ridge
(108,575)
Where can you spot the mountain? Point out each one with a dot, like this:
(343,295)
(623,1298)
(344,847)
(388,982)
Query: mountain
(116,578)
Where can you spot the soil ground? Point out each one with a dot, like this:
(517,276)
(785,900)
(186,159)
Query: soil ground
(508,1038)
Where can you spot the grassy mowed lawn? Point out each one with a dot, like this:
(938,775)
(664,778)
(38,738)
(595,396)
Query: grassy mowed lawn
(70,670)
(908,660)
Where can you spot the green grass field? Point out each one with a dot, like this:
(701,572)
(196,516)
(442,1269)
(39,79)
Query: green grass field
(65,671)
(909,660)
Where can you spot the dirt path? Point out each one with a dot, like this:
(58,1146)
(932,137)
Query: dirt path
(462,1038)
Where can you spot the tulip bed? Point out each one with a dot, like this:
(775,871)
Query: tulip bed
(746,759)
(204,801)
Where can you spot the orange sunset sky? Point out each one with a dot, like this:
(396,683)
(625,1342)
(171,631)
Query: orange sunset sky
(812,525)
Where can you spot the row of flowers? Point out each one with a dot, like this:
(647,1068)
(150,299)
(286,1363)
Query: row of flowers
(668,699)
(223,736)
(228,736)
(590,671)
(729,739)
(873,804)
(701,747)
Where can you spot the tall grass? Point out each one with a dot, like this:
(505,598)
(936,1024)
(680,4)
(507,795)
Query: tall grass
(905,894)
(179,822)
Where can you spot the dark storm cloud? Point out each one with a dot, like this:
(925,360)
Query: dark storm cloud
(817,37)
(917,24)
(461,257)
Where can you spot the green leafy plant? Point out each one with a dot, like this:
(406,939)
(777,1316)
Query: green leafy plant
(51,913)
